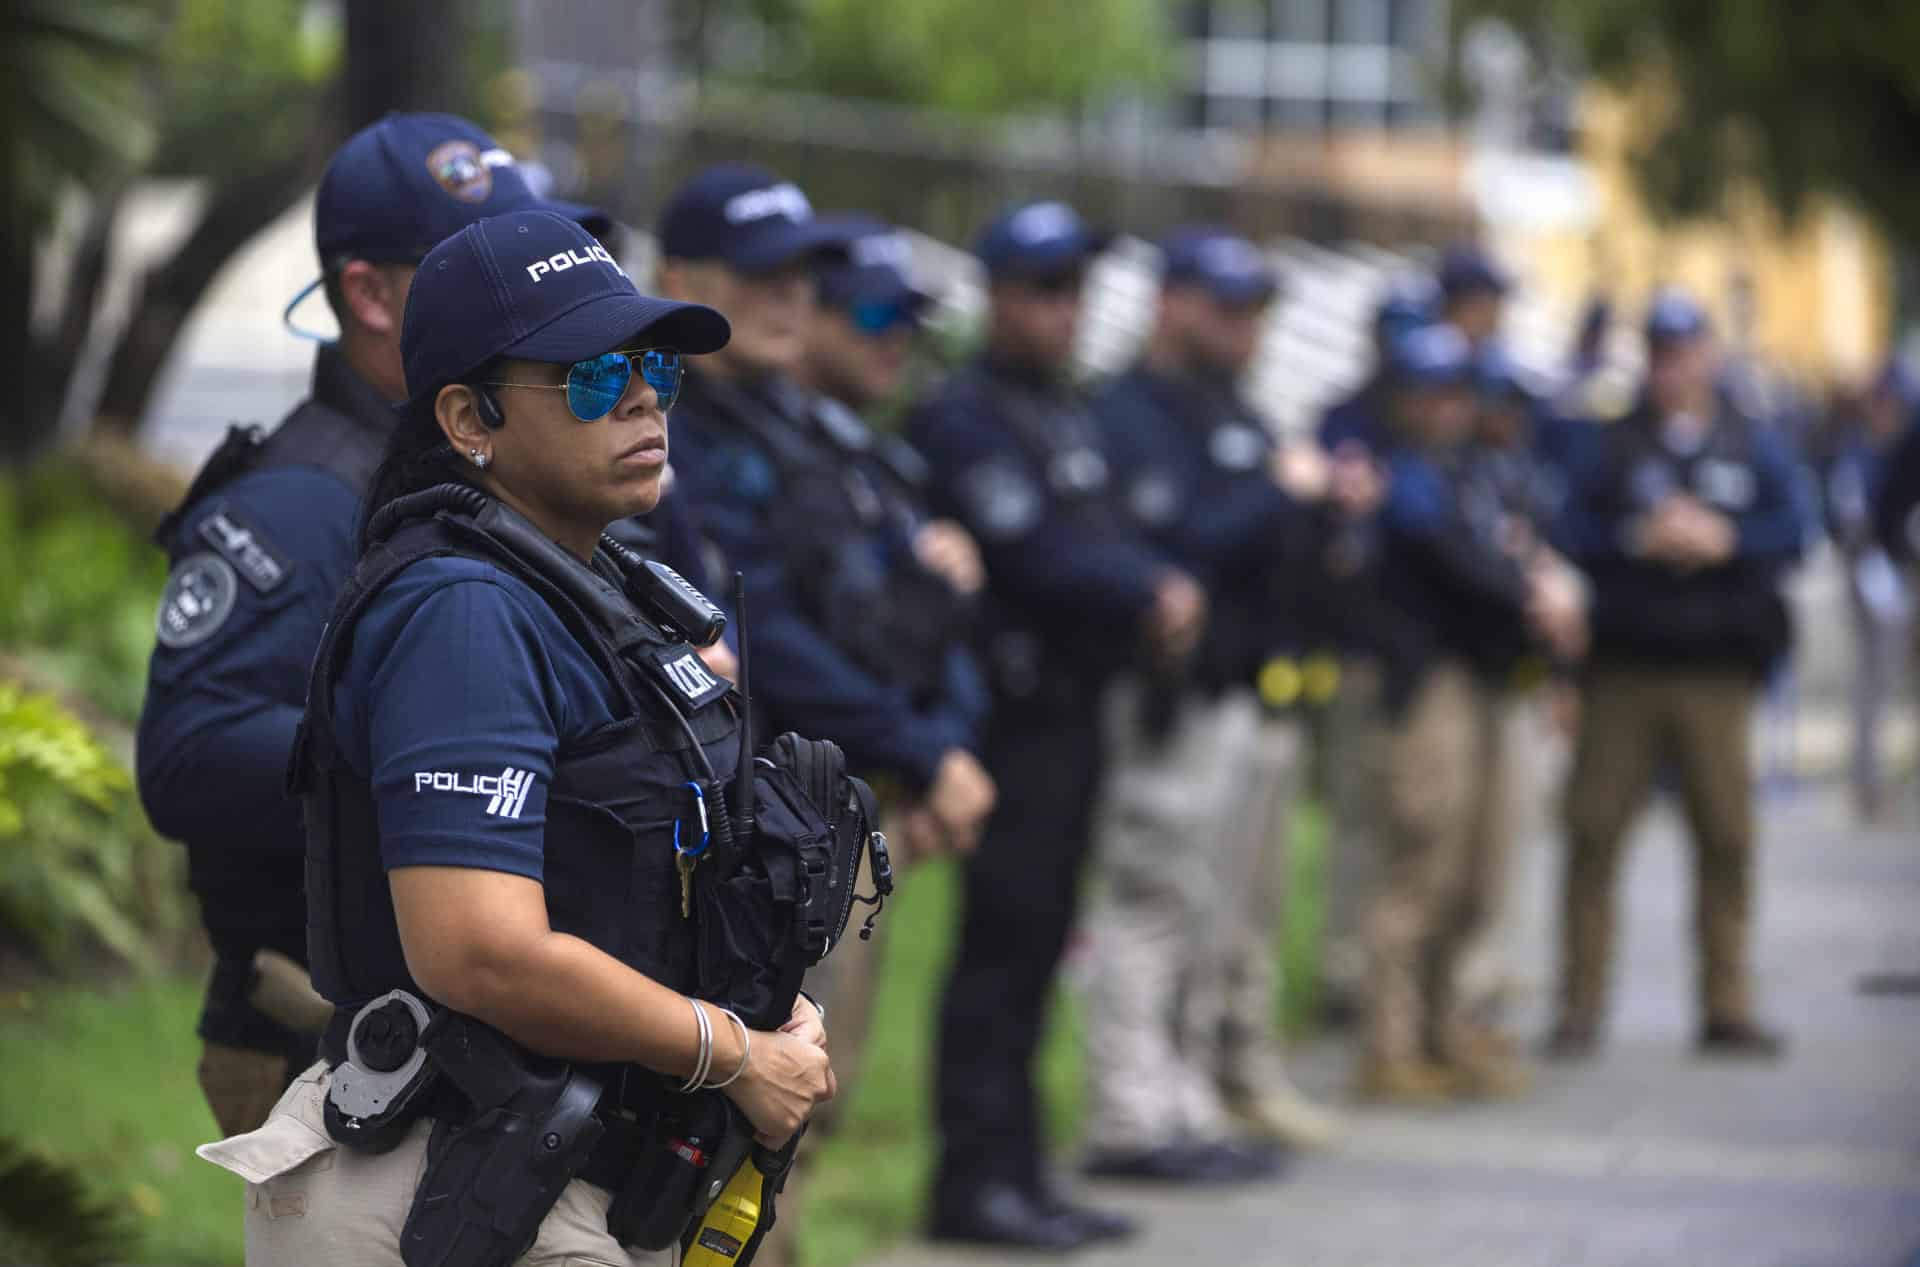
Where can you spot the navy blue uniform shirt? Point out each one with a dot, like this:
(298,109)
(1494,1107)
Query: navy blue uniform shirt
(257,562)
(1017,461)
(461,688)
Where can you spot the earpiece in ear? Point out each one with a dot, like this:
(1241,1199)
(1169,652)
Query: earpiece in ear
(489,408)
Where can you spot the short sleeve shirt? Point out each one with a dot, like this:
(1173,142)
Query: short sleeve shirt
(461,688)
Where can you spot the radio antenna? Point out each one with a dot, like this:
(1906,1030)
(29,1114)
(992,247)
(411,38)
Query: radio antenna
(742,797)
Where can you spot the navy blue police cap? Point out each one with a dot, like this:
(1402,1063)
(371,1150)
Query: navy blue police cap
(399,186)
(1409,302)
(876,269)
(1498,376)
(536,286)
(1436,355)
(1224,264)
(1038,239)
(1468,270)
(745,216)
(1674,316)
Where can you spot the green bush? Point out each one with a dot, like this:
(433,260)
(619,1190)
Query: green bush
(78,594)
(76,857)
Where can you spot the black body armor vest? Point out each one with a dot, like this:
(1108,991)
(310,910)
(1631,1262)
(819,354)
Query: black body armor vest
(610,873)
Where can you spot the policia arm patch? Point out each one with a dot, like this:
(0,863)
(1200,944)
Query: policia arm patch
(198,599)
(227,531)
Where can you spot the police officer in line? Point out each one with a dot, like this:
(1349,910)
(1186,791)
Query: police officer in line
(1685,520)
(261,544)
(1181,1037)
(1473,293)
(1074,595)
(1881,599)
(1474,604)
(497,750)
(1352,734)
(860,636)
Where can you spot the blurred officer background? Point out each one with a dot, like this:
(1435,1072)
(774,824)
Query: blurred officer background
(1181,1037)
(1073,596)
(1472,598)
(259,547)
(1861,437)
(1684,518)
(1352,734)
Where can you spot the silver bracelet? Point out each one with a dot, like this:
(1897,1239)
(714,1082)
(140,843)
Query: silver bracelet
(703,1057)
(746,1049)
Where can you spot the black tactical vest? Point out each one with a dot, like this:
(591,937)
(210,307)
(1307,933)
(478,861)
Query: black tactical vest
(846,532)
(610,877)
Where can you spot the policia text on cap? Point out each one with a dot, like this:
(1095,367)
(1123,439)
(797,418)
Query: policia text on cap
(516,1061)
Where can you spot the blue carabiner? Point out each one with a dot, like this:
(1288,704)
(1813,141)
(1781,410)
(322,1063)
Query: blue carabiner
(699,799)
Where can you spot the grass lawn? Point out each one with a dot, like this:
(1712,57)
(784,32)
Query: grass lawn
(104,1079)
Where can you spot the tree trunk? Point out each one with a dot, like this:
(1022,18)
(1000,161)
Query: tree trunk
(237,212)
(400,57)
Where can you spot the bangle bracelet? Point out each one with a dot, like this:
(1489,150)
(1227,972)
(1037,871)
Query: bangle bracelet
(746,1049)
(703,1054)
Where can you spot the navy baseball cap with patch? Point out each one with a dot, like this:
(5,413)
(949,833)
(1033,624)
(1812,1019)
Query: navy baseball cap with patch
(1468,269)
(404,184)
(537,286)
(745,216)
(1224,264)
(1673,316)
(1435,355)
(1038,239)
(876,269)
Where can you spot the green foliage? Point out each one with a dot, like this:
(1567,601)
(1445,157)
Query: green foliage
(70,90)
(48,1216)
(970,57)
(101,1083)
(68,862)
(80,588)
(244,80)
(1792,98)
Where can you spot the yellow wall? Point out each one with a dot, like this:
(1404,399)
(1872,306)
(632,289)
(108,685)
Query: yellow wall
(1822,291)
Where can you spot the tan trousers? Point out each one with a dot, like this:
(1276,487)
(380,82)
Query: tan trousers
(1229,1025)
(1170,827)
(1445,805)
(1634,721)
(1354,735)
(312,1203)
(241,1085)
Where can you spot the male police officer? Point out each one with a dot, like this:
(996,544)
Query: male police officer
(860,639)
(1472,601)
(1016,457)
(1684,520)
(1194,804)
(262,542)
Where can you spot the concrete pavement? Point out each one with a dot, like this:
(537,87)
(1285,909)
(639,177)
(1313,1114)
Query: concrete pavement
(1649,1155)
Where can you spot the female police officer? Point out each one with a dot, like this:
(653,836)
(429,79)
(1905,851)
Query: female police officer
(507,766)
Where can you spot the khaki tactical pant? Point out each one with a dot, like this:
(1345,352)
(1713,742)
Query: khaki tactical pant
(1354,735)
(1445,805)
(1634,721)
(311,1202)
(1172,835)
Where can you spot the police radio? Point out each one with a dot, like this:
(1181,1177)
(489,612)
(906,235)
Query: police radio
(671,600)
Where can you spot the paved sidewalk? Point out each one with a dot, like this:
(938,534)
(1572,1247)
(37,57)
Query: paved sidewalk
(1648,1156)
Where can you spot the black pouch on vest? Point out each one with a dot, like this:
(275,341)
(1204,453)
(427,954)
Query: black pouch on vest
(781,902)
(493,1176)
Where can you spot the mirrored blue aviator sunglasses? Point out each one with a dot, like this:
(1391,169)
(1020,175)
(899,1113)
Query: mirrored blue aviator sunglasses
(878,317)
(594,386)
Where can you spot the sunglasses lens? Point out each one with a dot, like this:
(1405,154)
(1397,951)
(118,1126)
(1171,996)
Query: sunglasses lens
(878,318)
(662,369)
(595,385)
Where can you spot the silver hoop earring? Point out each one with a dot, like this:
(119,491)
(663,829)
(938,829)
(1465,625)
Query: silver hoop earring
(479,459)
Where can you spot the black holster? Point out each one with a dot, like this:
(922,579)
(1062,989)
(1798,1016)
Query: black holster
(493,1173)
